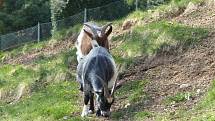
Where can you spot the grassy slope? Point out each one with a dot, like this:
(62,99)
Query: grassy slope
(148,39)
(57,98)
(54,85)
(53,102)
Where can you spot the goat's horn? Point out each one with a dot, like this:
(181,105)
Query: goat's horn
(104,28)
(95,35)
(113,89)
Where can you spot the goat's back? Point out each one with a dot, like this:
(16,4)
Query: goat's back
(97,69)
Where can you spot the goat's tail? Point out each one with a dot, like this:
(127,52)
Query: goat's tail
(94,43)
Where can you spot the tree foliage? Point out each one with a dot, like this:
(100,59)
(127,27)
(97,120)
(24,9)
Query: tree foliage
(75,6)
(56,7)
(20,14)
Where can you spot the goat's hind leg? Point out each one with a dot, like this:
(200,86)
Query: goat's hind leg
(91,110)
(86,100)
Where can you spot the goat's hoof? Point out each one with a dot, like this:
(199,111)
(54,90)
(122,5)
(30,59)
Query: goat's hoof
(90,111)
(84,113)
(98,113)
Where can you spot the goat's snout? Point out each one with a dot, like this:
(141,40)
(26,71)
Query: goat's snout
(105,113)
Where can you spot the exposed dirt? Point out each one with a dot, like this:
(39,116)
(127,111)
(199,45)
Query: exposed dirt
(49,50)
(168,75)
(204,16)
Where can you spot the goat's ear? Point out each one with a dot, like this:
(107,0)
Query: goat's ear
(109,31)
(88,33)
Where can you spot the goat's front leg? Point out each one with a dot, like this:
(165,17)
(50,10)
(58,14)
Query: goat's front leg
(91,111)
(98,112)
(86,100)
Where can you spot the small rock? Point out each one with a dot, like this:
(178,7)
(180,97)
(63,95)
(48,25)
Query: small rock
(198,91)
(187,96)
(182,86)
(127,24)
(65,117)
(191,7)
(22,90)
(128,104)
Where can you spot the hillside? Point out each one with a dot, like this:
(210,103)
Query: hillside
(165,58)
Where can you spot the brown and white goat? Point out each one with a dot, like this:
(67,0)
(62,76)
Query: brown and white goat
(83,43)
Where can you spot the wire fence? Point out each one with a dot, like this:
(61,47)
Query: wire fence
(15,39)
(42,31)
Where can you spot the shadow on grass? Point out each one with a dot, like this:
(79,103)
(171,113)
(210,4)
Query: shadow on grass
(132,100)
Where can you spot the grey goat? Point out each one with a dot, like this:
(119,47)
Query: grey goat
(97,74)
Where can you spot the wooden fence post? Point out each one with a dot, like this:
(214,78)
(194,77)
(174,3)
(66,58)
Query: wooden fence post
(136,4)
(0,44)
(85,15)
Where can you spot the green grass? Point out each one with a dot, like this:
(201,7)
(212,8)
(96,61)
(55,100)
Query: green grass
(152,37)
(139,116)
(203,111)
(209,100)
(182,3)
(44,70)
(169,9)
(134,89)
(22,49)
(134,95)
(52,103)
(11,73)
(177,98)
(51,94)
(67,32)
